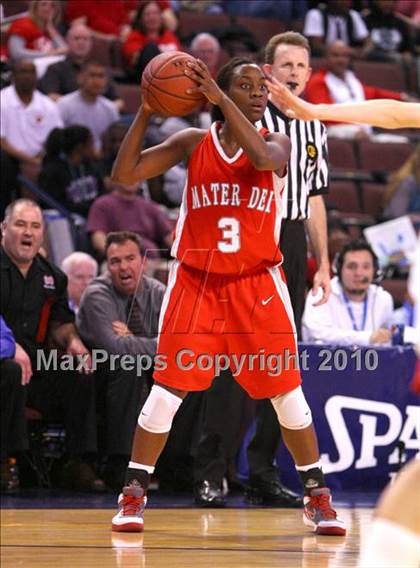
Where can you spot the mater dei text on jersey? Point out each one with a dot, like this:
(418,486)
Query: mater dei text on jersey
(225,194)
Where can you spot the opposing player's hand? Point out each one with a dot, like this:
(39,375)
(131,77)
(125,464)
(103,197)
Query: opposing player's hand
(322,281)
(199,72)
(294,107)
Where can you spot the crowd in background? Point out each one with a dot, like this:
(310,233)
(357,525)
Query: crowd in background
(64,115)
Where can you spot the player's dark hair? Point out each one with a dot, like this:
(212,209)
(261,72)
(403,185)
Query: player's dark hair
(120,237)
(224,79)
(65,140)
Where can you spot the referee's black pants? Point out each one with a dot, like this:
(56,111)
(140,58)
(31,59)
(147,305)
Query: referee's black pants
(211,458)
(263,446)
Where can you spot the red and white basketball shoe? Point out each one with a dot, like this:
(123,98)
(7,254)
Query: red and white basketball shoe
(319,515)
(131,502)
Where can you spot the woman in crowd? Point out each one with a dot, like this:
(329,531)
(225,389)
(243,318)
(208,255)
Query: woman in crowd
(148,38)
(36,35)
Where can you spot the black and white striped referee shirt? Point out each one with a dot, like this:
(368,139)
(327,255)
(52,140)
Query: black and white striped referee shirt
(308,163)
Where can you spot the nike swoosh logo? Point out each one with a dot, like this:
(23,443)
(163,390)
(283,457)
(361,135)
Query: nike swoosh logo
(265,302)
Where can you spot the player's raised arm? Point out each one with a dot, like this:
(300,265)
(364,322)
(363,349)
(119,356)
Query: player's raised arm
(133,164)
(383,113)
(265,154)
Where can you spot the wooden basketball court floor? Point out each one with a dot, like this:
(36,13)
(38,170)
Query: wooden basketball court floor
(187,538)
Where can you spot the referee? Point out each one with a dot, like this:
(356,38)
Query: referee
(287,58)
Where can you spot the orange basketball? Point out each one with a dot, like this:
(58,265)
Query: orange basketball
(164,85)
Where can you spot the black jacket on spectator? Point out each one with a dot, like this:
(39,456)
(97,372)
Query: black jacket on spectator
(29,304)
(74,186)
(388,33)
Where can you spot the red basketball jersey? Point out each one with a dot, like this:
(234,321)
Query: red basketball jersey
(230,216)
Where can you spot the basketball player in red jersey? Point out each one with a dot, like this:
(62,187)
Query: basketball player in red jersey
(226,301)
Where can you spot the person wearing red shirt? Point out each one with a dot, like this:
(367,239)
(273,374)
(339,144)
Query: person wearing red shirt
(36,35)
(109,22)
(148,38)
(336,83)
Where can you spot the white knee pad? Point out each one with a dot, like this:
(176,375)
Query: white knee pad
(292,410)
(159,410)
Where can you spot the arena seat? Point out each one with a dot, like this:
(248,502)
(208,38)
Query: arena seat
(342,154)
(14,7)
(102,50)
(343,195)
(385,75)
(397,287)
(373,198)
(131,95)
(262,28)
(192,23)
(385,157)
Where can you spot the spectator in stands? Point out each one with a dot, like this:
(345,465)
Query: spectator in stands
(335,21)
(336,83)
(13,437)
(402,196)
(69,172)
(409,10)
(61,77)
(124,209)
(148,38)
(285,11)
(80,269)
(87,106)
(34,305)
(206,47)
(111,141)
(27,117)
(36,35)
(389,35)
(358,312)
(120,314)
(112,22)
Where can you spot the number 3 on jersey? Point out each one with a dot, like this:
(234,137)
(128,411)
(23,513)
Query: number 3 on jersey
(230,241)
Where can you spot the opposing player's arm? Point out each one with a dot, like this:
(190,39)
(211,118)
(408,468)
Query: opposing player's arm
(134,164)
(384,113)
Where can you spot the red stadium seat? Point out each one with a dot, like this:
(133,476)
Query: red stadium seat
(387,157)
(343,195)
(373,198)
(397,288)
(385,75)
(131,95)
(341,154)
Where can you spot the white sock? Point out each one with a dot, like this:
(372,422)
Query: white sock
(309,466)
(389,545)
(134,465)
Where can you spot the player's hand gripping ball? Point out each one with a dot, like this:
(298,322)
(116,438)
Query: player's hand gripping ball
(164,85)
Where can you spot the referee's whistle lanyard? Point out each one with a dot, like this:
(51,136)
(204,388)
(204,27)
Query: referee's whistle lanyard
(351,314)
